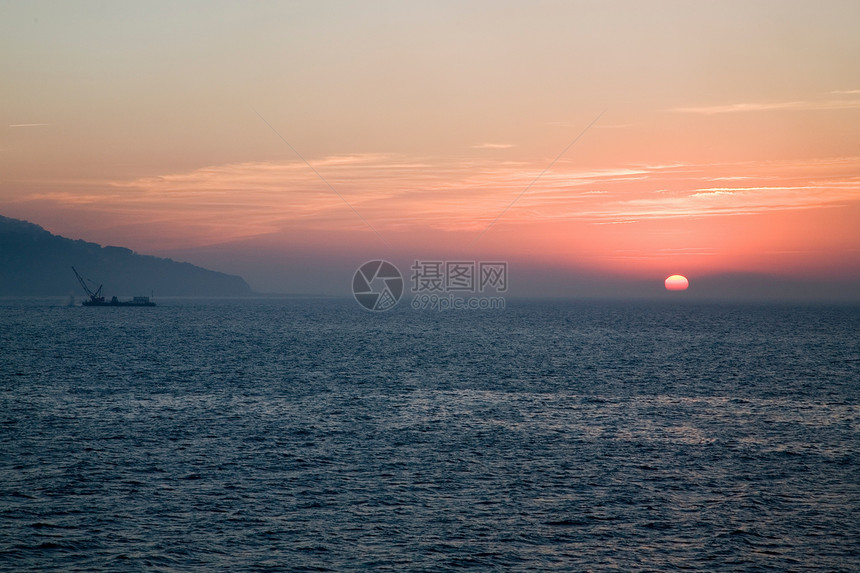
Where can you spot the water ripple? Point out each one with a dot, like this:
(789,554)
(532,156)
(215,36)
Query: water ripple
(312,436)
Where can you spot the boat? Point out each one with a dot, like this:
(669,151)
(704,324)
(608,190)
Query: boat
(97,299)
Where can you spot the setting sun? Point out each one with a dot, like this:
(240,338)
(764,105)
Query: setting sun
(677,282)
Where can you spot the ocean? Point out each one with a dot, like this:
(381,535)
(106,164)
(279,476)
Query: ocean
(312,435)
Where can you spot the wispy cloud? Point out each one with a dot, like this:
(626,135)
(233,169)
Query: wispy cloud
(493,146)
(401,193)
(715,191)
(710,201)
(28,124)
(771,106)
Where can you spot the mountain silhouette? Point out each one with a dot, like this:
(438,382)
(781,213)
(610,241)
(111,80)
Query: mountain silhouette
(35,262)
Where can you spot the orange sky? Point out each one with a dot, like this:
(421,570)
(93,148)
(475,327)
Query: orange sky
(729,139)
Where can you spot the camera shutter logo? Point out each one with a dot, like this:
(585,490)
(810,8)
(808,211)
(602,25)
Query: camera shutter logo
(377,285)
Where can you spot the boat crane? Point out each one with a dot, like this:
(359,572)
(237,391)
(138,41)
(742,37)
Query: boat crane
(98,299)
(95,297)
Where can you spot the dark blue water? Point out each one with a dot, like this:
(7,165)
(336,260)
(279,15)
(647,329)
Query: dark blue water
(316,436)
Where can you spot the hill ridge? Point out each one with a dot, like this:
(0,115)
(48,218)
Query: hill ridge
(36,262)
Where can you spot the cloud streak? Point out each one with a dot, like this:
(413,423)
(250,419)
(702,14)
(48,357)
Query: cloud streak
(771,106)
(400,193)
(493,146)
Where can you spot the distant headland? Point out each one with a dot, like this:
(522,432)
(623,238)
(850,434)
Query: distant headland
(35,262)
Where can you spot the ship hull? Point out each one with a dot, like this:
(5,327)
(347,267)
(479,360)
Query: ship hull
(114,301)
(117,303)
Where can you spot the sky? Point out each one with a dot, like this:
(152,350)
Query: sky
(596,146)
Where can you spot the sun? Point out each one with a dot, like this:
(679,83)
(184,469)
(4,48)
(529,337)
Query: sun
(677,282)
